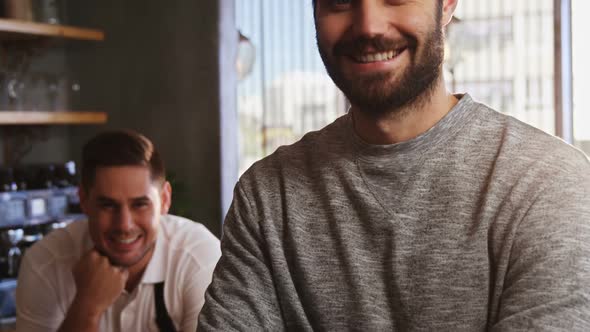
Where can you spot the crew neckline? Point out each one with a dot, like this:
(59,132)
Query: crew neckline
(444,129)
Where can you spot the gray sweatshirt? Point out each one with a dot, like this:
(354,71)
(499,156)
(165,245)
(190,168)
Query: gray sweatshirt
(481,223)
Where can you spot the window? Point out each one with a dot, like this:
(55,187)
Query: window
(501,52)
(288,92)
(581,73)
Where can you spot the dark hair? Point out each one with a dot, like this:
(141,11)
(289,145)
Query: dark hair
(120,148)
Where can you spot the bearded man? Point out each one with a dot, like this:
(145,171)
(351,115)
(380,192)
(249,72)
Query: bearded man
(418,210)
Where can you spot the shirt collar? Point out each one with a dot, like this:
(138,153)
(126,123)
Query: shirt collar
(155,271)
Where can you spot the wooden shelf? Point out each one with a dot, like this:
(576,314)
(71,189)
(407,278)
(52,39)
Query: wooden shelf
(22,30)
(51,118)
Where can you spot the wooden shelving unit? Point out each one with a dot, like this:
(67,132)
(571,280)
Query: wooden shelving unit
(22,30)
(12,30)
(51,118)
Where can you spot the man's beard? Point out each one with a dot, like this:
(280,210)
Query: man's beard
(127,264)
(376,94)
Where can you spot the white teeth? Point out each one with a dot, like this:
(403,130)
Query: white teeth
(126,240)
(374,57)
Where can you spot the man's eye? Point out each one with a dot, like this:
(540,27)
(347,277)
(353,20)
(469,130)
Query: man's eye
(139,205)
(106,205)
(341,2)
(336,4)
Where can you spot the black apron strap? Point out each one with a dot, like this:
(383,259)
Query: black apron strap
(163,319)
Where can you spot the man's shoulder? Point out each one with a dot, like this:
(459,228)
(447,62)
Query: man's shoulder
(185,237)
(176,226)
(316,149)
(326,139)
(61,245)
(549,151)
(524,144)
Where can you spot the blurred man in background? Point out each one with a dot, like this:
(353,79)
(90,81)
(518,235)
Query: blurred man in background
(130,266)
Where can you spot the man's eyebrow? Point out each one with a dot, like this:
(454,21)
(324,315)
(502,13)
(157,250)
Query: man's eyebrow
(141,199)
(105,199)
(133,200)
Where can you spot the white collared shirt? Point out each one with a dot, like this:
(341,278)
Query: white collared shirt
(184,258)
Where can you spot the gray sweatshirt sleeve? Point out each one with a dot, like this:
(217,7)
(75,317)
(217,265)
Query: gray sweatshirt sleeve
(546,284)
(242,296)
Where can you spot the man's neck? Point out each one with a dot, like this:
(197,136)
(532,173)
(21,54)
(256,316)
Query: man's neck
(404,124)
(136,271)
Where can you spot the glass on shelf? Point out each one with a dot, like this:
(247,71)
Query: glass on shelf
(15,91)
(38,91)
(52,91)
(34,94)
(67,93)
(48,11)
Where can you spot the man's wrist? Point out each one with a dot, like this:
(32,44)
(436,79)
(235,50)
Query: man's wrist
(82,316)
(86,308)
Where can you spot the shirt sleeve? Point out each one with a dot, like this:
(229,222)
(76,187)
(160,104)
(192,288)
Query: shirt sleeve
(196,279)
(547,284)
(242,295)
(36,302)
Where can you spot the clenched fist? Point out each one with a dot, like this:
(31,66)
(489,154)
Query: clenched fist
(98,283)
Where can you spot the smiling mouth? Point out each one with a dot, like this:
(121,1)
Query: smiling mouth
(125,239)
(378,56)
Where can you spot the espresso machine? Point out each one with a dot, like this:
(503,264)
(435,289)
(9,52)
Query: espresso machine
(34,200)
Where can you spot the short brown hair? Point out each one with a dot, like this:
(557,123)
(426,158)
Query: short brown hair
(120,148)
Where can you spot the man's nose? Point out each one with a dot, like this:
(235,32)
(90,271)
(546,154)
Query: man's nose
(124,218)
(370,19)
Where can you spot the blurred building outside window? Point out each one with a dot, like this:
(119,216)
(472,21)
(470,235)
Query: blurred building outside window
(288,93)
(500,52)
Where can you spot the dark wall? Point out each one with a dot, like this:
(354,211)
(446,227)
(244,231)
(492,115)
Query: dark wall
(158,72)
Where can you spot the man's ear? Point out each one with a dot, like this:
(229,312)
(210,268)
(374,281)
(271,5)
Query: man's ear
(165,197)
(448,9)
